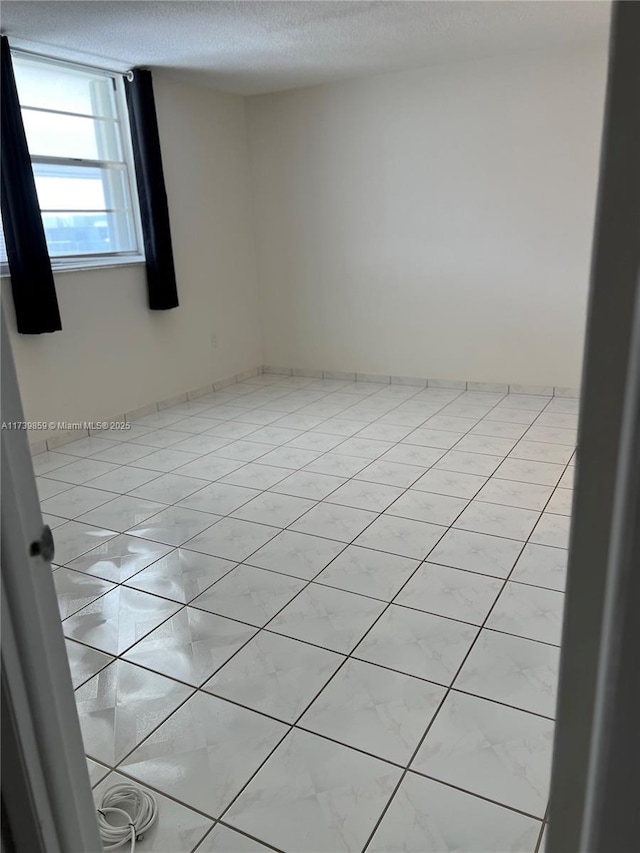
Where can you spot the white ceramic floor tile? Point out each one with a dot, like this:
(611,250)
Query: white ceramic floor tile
(232,539)
(439,438)
(165,460)
(476,552)
(159,439)
(514,416)
(191,645)
(561,502)
(506,521)
(413,454)
(386,432)
(201,444)
(178,829)
(567,481)
(122,513)
(276,675)
(401,536)
(225,840)
(249,594)
(274,509)
(120,558)
(512,493)
(368,572)
(542,473)
(327,617)
(430,817)
(53,520)
(49,488)
(174,525)
(391,473)
(469,463)
(50,460)
(529,402)
(160,419)
(209,467)
(255,476)
(512,670)
(219,498)
(274,435)
(84,662)
(553,435)
(81,471)
(297,554)
(542,451)
(498,429)
(75,590)
(497,752)
(552,530)
(335,793)
(450,483)
(529,611)
(289,457)
(363,495)
(118,619)
(122,704)
(337,465)
(450,423)
(181,575)
(234,430)
(304,484)
(417,643)
(243,451)
(74,502)
(334,522)
(542,565)
(341,427)
(121,453)
(373,709)
(450,592)
(427,506)
(73,539)
(123,479)
(169,489)
(205,753)
(485,444)
(96,771)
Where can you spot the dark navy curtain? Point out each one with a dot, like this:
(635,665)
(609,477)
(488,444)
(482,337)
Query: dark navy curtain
(154,210)
(32,284)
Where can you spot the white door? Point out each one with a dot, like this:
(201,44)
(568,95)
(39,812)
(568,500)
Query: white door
(47,802)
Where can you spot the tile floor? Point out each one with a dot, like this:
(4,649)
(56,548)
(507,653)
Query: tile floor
(319,615)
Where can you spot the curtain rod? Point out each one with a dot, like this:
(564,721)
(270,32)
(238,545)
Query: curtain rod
(128,73)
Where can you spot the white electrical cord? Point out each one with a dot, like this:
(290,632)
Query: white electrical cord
(137,807)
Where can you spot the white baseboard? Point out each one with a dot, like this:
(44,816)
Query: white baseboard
(59,439)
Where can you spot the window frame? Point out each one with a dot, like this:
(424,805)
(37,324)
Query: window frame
(94,260)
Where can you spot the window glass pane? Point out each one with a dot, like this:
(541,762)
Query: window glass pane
(3,245)
(63,187)
(82,233)
(53,135)
(54,87)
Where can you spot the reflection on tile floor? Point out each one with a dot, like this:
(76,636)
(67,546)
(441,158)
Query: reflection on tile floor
(321,615)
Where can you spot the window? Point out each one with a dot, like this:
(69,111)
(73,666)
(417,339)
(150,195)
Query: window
(77,130)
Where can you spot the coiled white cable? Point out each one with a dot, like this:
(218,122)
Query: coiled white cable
(138,808)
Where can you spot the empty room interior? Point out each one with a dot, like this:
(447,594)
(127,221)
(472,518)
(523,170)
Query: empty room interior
(298,327)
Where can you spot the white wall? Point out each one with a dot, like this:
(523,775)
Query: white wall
(431,223)
(115,355)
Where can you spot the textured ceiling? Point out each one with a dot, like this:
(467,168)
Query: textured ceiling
(259,46)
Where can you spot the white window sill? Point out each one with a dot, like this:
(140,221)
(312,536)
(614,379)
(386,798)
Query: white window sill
(84,264)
